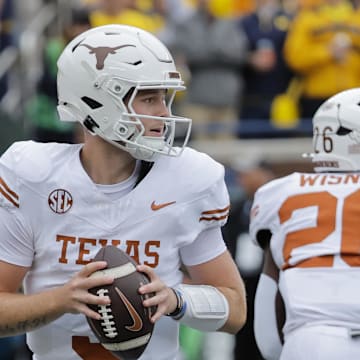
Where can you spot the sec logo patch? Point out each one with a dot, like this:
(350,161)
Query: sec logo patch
(60,201)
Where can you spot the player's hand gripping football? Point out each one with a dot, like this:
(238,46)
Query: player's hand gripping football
(75,295)
(164,298)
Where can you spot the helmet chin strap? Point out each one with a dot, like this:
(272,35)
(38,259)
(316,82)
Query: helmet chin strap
(142,152)
(145,148)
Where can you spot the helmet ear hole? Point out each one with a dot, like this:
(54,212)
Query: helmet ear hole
(90,124)
(92,103)
(341,131)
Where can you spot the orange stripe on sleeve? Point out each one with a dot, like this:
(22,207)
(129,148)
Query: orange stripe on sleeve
(216,218)
(215,215)
(6,187)
(216,211)
(10,195)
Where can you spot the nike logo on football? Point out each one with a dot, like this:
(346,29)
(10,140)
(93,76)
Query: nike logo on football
(137,322)
(156,207)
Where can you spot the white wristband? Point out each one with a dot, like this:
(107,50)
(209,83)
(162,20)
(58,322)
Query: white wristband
(206,308)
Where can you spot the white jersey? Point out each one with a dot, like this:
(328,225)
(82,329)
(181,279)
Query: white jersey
(315,224)
(54,219)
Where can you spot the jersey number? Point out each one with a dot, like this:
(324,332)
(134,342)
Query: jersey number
(326,224)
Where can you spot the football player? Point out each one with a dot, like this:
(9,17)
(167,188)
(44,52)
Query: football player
(134,184)
(308,225)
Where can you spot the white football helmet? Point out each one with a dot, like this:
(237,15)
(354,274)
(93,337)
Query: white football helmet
(336,133)
(99,68)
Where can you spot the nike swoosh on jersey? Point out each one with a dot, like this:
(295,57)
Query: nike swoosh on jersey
(137,322)
(156,207)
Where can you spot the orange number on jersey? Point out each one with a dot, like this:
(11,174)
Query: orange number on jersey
(326,224)
(90,351)
(350,246)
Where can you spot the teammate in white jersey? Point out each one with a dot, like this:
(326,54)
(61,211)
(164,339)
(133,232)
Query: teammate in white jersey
(308,225)
(128,185)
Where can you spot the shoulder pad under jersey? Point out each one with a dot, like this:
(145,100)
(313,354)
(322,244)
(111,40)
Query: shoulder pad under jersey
(32,161)
(9,193)
(193,170)
(24,162)
(199,180)
(267,201)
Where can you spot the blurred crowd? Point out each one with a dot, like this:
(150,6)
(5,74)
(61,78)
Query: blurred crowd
(253,69)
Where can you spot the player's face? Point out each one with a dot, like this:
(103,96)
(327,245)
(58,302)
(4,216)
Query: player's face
(151,102)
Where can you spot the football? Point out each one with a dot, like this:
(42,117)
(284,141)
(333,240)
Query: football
(125,328)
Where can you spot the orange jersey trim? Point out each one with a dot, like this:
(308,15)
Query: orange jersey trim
(9,194)
(204,215)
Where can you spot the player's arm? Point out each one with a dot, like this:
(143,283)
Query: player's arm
(222,274)
(20,313)
(269,309)
(213,298)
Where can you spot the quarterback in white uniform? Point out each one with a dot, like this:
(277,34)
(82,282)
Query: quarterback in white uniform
(308,225)
(128,186)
